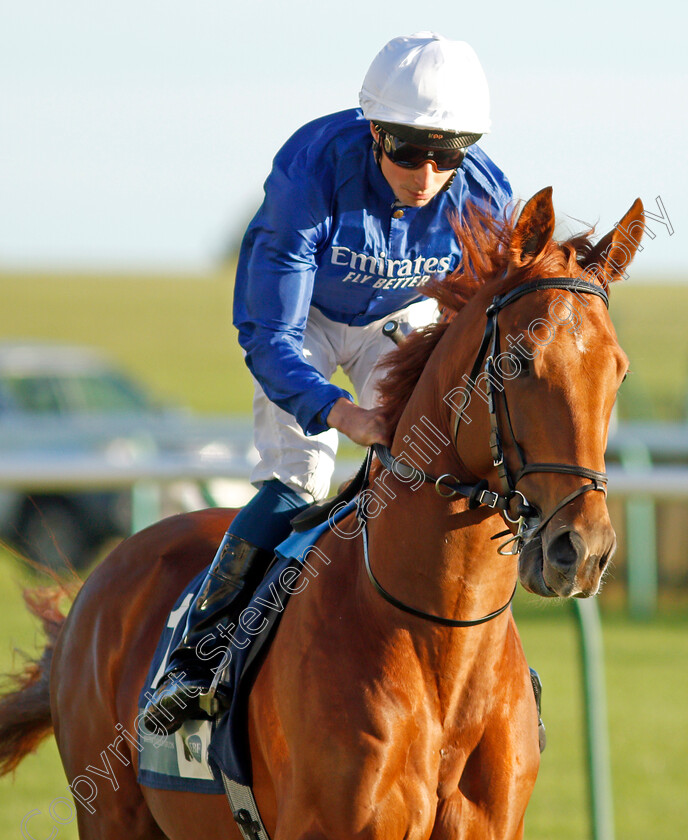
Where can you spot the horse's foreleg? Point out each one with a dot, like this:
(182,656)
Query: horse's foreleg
(497,781)
(461,819)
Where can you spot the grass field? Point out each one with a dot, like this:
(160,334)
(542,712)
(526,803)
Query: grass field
(647,678)
(175,334)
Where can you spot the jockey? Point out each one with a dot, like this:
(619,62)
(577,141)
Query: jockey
(346,238)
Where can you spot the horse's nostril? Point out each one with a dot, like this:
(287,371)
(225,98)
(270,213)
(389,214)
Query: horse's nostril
(566,550)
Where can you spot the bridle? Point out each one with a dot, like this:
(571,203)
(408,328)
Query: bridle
(495,384)
(527,517)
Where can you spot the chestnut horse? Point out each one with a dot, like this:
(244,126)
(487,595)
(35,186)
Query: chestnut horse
(369,718)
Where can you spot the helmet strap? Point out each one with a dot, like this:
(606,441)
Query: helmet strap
(377,147)
(449,181)
(377,151)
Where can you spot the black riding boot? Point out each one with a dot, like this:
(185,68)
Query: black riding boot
(184,691)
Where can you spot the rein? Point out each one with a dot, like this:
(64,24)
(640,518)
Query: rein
(530,523)
(386,457)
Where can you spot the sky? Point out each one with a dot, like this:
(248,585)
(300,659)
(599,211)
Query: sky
(137,135)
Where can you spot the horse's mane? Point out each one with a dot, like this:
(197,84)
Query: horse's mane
(484,241)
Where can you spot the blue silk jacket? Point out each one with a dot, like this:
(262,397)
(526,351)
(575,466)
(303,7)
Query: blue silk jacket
(330,234)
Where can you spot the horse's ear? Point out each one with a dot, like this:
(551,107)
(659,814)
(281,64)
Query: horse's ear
(611,256)
(533,229)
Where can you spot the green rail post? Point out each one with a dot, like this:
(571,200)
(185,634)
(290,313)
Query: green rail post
(597,730)
(207,494)
(641,539)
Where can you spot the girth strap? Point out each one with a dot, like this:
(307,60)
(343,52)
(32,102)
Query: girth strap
(245,810)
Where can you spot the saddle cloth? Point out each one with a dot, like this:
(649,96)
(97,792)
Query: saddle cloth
(189,758)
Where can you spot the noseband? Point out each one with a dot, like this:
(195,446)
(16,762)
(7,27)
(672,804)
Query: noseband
(530,523)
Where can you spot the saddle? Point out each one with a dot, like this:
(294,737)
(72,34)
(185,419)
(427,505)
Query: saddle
(198,755)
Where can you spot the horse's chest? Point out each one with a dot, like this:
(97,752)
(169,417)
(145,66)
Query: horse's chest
(453,758)
(458,742)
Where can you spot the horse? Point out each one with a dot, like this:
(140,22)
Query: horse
(395,700)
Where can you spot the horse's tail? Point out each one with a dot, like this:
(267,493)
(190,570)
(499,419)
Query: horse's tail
(25,718)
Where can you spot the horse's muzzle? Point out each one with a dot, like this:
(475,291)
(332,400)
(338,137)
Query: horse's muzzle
(564,564)
(530,569)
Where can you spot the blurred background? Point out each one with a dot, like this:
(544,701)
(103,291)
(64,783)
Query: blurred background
(134,140)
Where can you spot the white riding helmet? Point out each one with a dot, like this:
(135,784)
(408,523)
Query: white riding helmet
(428,90)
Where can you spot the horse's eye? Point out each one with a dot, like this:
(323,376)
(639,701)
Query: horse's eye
(514,364)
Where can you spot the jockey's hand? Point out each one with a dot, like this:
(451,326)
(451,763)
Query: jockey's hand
(364,426)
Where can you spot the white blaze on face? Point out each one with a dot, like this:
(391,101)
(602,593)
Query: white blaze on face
(580,342)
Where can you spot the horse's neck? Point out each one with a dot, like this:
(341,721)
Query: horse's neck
(433,553)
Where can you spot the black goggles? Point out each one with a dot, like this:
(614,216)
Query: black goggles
(411,157)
